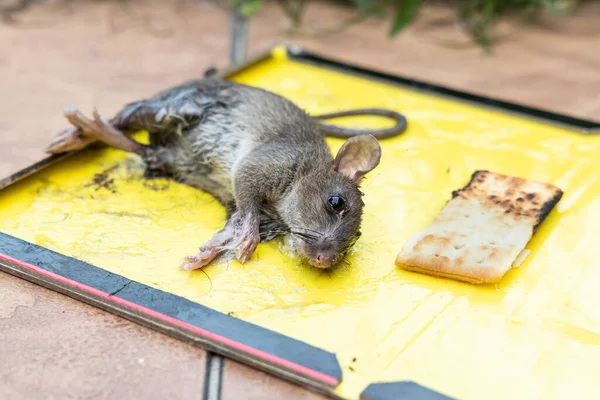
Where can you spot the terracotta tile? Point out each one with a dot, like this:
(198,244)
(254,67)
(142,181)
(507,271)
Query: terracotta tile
(241,382)
(55,347)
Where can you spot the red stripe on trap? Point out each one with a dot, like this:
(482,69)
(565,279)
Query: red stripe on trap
(202,332)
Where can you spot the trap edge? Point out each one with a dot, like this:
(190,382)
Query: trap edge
(172,315)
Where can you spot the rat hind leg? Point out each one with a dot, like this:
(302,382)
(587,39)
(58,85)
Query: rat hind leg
(161,117)
(69,139)
(86,131)
(134,117)
(102,130)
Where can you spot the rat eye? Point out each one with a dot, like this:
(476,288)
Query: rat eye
(191,119)
(336,203)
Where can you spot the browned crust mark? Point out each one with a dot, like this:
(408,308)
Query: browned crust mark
(520,197)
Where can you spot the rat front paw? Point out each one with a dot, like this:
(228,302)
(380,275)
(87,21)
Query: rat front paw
(245,247)
(200,260)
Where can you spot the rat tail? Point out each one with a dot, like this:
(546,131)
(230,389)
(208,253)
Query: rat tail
(340,132)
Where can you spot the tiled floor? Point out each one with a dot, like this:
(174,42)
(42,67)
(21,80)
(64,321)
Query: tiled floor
(55,347)
(95,54)
(241,382)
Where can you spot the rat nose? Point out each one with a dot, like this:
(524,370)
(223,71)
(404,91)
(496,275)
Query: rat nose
(323,261)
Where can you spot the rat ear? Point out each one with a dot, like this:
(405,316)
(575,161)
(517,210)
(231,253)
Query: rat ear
(357,156)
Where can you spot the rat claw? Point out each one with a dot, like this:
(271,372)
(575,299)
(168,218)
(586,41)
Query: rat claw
(187,266)
(200,260)
(79,120)
(67,140)
(69,110)
(54,146)
(245,248)
(191,265)
(97,118)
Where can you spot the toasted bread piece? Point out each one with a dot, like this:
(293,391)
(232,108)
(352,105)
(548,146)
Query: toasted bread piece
(480,232)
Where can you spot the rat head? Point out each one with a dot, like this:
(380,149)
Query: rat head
(323,209)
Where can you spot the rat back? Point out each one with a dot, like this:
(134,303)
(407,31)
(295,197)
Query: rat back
(201,129)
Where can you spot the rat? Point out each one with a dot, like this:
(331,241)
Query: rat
(261,156)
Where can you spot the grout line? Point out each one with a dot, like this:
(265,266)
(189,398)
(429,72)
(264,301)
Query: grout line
(213,377)
(221,368)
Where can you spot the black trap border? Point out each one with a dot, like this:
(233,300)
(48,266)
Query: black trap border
(582,126)
(261,348)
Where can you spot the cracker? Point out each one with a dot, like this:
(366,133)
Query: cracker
(480,233)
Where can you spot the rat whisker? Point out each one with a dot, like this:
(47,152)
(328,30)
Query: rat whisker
(308,230)
(304,234)
(274,231)
(271,234)
(305,238)
(307,234)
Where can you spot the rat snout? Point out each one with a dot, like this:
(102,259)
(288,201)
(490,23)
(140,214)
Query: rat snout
(323,260)
(324,255)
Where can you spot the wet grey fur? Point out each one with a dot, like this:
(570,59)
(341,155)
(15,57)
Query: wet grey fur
(258,154)
(203,130)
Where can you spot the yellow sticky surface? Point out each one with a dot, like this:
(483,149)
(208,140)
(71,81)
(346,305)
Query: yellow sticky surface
(536,335)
